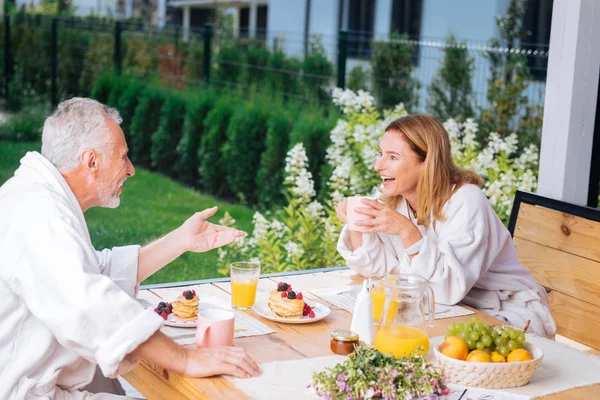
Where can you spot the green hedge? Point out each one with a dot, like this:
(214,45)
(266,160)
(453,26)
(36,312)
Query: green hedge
(212,164)
(187,163)
(167,137)
(127,103)
(269,178)
(246,135)
(144,123)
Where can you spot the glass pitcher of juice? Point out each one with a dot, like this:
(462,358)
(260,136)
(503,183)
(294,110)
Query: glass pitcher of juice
(377,291)
(402,327)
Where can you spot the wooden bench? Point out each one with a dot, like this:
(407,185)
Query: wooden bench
(560,243)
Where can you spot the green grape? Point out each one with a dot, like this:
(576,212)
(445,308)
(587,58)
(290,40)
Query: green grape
(503,350)
(451,328)
(521,338)
(480,346)
(487,331)
(460,326)
(474,319)
(463,334)
(512,345)
(494,334)
(474,335)
(505,334)
(470,326)
(478,326)
(486,340)
(514,334)
(471,343)
(498,341)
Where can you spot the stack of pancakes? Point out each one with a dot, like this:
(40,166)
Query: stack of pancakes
(184,309)
(285,307)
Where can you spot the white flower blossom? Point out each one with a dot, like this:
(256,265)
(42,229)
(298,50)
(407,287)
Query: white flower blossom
(293,249)
(261,226)
(297,174)
(314,209)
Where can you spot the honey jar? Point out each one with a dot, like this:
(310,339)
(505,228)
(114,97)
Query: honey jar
(343,341)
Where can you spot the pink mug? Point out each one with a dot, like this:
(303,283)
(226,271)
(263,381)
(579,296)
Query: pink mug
(215,328)
(352,216)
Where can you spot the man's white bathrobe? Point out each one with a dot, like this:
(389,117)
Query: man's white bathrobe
(65,307)
(469,257)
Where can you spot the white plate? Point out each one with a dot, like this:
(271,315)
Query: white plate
(173,321)
(439,309)
(261,307)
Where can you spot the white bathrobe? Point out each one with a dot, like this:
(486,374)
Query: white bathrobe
(469,257)
(65,307)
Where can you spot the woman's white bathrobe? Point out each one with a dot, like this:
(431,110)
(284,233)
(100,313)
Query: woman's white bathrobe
(469,257)
(65,307)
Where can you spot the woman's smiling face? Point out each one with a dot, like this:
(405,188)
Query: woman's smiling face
(398,165)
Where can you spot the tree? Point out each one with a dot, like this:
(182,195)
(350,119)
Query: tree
(509,109)
(450,93)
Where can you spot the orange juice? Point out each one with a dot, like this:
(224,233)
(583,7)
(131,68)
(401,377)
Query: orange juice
(400,340)
(378,300)
(243,294)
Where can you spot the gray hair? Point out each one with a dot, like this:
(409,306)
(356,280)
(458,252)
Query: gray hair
(77,124)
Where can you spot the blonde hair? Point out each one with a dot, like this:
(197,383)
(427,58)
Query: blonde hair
(440,177)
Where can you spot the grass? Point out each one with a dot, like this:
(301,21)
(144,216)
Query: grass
(151,206)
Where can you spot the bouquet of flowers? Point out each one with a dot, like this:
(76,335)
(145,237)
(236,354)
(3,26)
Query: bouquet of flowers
(370,374)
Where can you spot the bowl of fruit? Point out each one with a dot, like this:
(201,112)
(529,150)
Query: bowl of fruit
(495,357)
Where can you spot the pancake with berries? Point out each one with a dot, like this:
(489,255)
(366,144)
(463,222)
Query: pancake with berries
(185,308)
(285,302)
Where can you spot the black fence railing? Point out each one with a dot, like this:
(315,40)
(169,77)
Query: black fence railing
(61,57)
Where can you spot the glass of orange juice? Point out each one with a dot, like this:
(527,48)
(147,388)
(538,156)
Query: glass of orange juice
(244,279)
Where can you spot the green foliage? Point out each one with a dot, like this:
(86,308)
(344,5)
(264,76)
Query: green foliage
(169,132)
(104,86)
(127,103)
(194,60)
(187,163)
(246,135)
(391,73)
(229,60)
(98,59)
(358,78)
(317,70)
(269,178)
(144,123)
(509,109)
(26,125)
(312,129)
(71,44)
(213,166)
(450,93)
(140,56)
(30,46)
(257,59)
(283,74)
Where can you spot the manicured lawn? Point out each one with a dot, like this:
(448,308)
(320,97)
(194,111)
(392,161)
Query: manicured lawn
(151,205)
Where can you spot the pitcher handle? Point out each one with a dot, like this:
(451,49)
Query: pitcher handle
(430,305)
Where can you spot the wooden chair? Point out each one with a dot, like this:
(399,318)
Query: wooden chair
(560,243)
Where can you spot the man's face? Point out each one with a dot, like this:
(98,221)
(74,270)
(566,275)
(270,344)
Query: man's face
(115,167)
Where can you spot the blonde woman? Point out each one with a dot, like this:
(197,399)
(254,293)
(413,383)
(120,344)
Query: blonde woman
(433,220)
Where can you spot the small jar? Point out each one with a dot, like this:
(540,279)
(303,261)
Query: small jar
(343,342)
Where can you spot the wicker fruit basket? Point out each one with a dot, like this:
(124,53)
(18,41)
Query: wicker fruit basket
(488,374)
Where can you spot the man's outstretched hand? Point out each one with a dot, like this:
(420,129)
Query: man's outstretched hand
(200,235)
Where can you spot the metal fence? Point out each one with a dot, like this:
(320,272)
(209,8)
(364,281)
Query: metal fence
(61,57)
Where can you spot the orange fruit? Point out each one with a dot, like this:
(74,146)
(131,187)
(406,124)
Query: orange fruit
(455,347)
(479,356)
(497,357)
(519,355)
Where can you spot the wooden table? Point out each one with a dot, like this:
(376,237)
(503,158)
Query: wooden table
(288,343)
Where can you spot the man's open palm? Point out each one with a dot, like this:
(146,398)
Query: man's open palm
(201,235)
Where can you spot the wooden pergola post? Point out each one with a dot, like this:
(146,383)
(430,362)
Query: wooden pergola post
(570,103)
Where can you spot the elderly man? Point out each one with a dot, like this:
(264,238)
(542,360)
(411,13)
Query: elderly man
(67,308)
